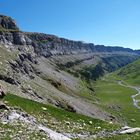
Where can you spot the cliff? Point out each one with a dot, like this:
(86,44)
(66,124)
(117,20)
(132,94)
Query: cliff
(48,45)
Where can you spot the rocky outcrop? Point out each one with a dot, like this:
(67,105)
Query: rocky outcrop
(9,80)
(24,64)
(129,130)
(10,33)
(2,94)
(14,117)
(3,106)
(14,38)
(7,23)
(48,45)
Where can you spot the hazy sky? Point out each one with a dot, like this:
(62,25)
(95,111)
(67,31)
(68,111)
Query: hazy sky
(108,22)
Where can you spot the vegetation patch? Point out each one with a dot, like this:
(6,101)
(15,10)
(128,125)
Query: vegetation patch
(117,100)
(134,136)
(130,73)
(59,119)
(115,62)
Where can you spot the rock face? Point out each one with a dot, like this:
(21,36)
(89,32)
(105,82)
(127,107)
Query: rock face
(2,94)
(7,23)
(48,45)
(10,33)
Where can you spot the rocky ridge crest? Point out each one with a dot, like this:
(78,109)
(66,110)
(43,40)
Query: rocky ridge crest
(48,45)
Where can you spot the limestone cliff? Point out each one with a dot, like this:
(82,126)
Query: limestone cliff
(48,45)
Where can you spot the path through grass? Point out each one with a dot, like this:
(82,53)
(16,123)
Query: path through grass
(117,100)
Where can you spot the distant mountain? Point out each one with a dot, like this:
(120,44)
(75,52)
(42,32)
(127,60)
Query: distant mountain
(137,51)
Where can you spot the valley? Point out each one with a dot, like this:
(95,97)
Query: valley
(134,97)
(57,88)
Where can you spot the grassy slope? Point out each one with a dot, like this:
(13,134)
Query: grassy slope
(9,132)
(56,118)
(130,73)
(117,100)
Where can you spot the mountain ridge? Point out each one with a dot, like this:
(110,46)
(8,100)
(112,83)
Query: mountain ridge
(51,44)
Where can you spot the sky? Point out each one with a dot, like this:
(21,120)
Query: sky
(107,22)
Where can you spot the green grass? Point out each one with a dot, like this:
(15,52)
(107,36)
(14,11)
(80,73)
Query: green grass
(135,136)
(117,100)
(130,73)
(53,114)
(139,103)
(9,132)
(137,97)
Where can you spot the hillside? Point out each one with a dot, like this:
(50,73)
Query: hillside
(131,73)
(36,64)
(51,81)
(119,94)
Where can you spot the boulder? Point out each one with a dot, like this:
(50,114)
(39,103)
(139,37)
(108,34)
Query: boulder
(2,94)
(3,106)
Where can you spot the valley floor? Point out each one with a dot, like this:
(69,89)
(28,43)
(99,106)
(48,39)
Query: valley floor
(135,96)
(116,99)
(119,99)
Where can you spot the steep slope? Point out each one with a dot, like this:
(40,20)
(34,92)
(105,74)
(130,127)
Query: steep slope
(39,121)
(131,73)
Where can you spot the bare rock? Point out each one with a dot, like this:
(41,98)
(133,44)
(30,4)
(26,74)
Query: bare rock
(3,106)
(130,131)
